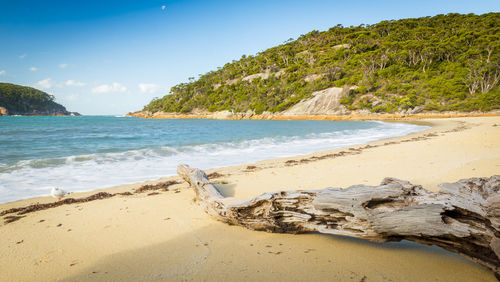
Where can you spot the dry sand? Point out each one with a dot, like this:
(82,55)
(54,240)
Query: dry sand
(166,236)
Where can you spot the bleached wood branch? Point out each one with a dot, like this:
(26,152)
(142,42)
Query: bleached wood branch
(463,217)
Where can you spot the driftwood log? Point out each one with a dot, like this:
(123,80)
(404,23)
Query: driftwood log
(463,217)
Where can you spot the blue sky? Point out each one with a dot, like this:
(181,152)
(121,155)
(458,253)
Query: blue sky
(111,57)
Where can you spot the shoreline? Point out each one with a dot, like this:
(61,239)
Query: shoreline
(227,153)
(189,239)
(145,182)
(277,116)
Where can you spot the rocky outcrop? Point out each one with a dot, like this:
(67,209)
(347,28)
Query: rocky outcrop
(51,112)
(3,111)
(223,115)
(355,115)
(28,101)
(340,46)
(249,78)
(313,77)
(324,102)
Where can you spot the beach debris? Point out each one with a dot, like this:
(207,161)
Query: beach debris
(162,186)
(214,175)
(38,206)
(12,218)
(58,193)
(357,151)
(98,196)
(250,168)
(463,217)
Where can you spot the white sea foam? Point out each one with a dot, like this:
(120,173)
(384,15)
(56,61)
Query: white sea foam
(31,178)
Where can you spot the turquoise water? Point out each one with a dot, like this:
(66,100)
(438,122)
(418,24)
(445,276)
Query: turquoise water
(91,152)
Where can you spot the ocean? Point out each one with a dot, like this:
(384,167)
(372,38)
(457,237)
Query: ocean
(92,152)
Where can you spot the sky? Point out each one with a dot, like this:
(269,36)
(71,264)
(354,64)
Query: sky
(111,57)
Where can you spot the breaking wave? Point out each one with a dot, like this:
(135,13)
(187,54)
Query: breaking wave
(31,178)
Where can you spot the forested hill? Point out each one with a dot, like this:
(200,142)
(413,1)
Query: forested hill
(23,100)
(445,62)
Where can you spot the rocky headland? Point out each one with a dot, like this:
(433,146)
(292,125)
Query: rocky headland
(28,101)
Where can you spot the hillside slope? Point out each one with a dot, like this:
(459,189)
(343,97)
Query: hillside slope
(23,100)
(441,63)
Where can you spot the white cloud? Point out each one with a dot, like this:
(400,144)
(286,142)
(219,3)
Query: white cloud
(44,84)
(2,72)
(72,97)
(163,7)
(105,88)
(33,69)
(22,56)
(148,87)
(63,66)
(71,82)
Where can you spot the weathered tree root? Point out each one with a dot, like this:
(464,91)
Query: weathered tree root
(464,217)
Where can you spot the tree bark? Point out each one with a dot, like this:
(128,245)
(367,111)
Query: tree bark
(463,217)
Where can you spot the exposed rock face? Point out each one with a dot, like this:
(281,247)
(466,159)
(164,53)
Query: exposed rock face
(264,75)
(51,112)
(313,77)
(416,110)
(249,114)
(324,102)
(223,114)
(250,78)
(340,46)
(55,111)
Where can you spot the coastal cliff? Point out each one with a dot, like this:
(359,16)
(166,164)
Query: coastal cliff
(23,100)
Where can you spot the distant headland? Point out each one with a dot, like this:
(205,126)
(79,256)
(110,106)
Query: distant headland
(28,101)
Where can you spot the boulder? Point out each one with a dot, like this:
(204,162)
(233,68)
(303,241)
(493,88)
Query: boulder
(223,114)
(416,110)
(324,102)
(3,111)
(249,113)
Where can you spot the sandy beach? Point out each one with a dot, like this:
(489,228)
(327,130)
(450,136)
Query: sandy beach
(164,235)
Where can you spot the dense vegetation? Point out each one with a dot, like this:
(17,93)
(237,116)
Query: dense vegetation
(23,100)
(445,62)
